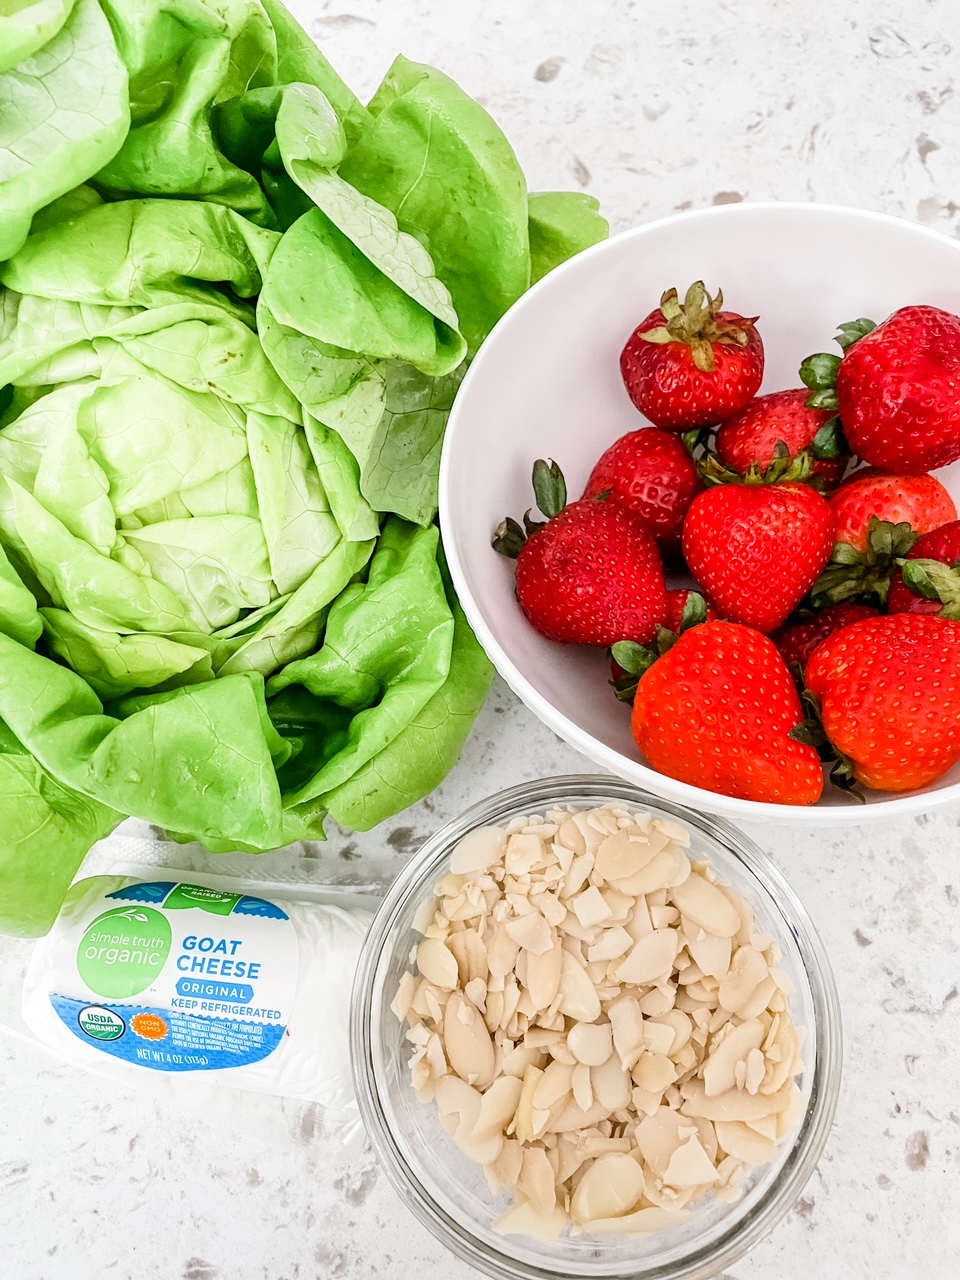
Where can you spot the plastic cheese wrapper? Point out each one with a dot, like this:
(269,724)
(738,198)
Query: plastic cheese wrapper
(187,980)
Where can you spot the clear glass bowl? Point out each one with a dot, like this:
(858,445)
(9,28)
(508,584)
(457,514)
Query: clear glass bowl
(448,1192)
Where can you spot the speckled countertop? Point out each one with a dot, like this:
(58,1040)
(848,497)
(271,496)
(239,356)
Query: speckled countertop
(653,108)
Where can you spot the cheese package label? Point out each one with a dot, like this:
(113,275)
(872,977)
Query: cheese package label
(177,977)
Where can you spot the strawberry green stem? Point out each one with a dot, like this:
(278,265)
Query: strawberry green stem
(699,324)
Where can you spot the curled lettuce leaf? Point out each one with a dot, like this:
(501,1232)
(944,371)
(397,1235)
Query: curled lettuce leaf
(64,110)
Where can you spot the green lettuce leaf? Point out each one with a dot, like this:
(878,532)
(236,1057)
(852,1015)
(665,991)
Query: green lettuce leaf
(19,616)
(562,223)
(27,25)
(300,61)
(417,760)
(321,285)
(224,783)
(47,830)
(311,143)
(144,252)
(440,164)
(388,700)
(63,113)
(182,57)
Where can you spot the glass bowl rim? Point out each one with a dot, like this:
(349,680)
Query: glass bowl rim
(703,1261)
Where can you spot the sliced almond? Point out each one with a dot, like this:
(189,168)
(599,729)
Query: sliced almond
(703,903)
(732,1105)
(574,1118)
(437,963)
(657,1037)
(582,1087)
(467,1042)
(503,1172)
(400,1005)
(569,836)
(478,850)
(761,999)
(719,1069)
(619,904)
(679,1024)
(522,853)
(502,952)
(476,992)
(662,870)
(623,854)
(522,1124)
(610,1187)
(650,959)
(658,1136)
(747,970)
(590,908)
(789,1117)
(711,954)
(736,1139)
(555,1082)
(537,1182)
(611,945)
(611,1084)
(642,1222)
(523,1219)
(655,1003)
(471,955)
(639,924)
(690,1166)
(591,1042)
(654,1072)
(552,909)
(626,1020)
(579,997)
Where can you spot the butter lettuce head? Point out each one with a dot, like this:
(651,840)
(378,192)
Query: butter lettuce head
(236,305)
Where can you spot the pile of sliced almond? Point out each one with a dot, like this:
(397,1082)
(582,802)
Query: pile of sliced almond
(599,1022)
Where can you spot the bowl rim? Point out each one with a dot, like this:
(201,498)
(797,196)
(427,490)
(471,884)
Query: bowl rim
(826,1071)
(634,771)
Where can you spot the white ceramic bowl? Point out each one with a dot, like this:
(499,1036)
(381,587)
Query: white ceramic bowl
(546,384)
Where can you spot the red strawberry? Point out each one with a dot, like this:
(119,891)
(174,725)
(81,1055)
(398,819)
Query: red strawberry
(897,388)
(651,473)
(798,638)
(758,549)
(889,695)
(716,711)
(919,501)
(930,580)
(780,427)
(591,574)
(878,518)
(692,365)
(678,602)
(628,661)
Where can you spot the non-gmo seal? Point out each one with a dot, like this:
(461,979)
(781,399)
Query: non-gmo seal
(101,1024)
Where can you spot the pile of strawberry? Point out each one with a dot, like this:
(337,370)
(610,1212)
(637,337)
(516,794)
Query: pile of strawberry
(823,623)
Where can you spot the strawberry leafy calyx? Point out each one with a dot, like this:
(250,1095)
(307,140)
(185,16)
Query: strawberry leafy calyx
(784,468)
(858,575)
(550,490)
(699,323)
(819,371)
(935,580)
(811,733)
(635,660)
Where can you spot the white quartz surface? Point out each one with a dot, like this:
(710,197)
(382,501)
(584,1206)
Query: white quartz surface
(653,107)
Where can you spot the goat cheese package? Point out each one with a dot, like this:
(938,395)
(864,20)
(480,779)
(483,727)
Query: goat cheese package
(183,980)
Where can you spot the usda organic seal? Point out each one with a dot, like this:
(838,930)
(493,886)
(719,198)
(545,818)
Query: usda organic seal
(101,1024)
